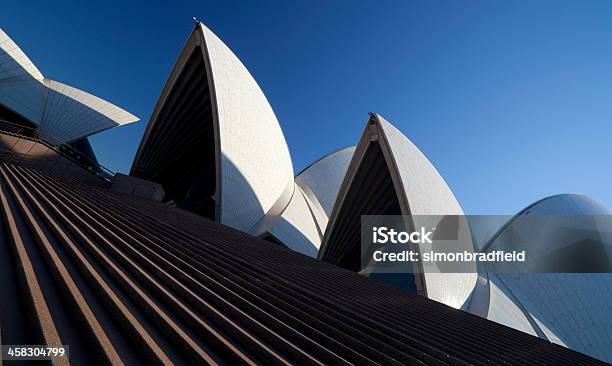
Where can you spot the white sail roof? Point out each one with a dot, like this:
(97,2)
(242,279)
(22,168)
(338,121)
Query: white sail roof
(63,113)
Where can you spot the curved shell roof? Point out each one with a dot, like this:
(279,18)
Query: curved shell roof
(321,182)
(418,189)
(70,113)
(426,190)
(552,305)
(296,226)
(14,63)
(428,194)
(255,163)
(63,113)
(301,224)
(540,222)
(211,96)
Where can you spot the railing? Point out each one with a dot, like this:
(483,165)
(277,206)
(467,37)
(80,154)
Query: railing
(62,148)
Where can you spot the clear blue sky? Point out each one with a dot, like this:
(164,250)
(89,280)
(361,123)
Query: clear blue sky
(511,101)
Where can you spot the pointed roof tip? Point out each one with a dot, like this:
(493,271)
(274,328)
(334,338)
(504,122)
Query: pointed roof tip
(375,118)
(372,118)
(196,20)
